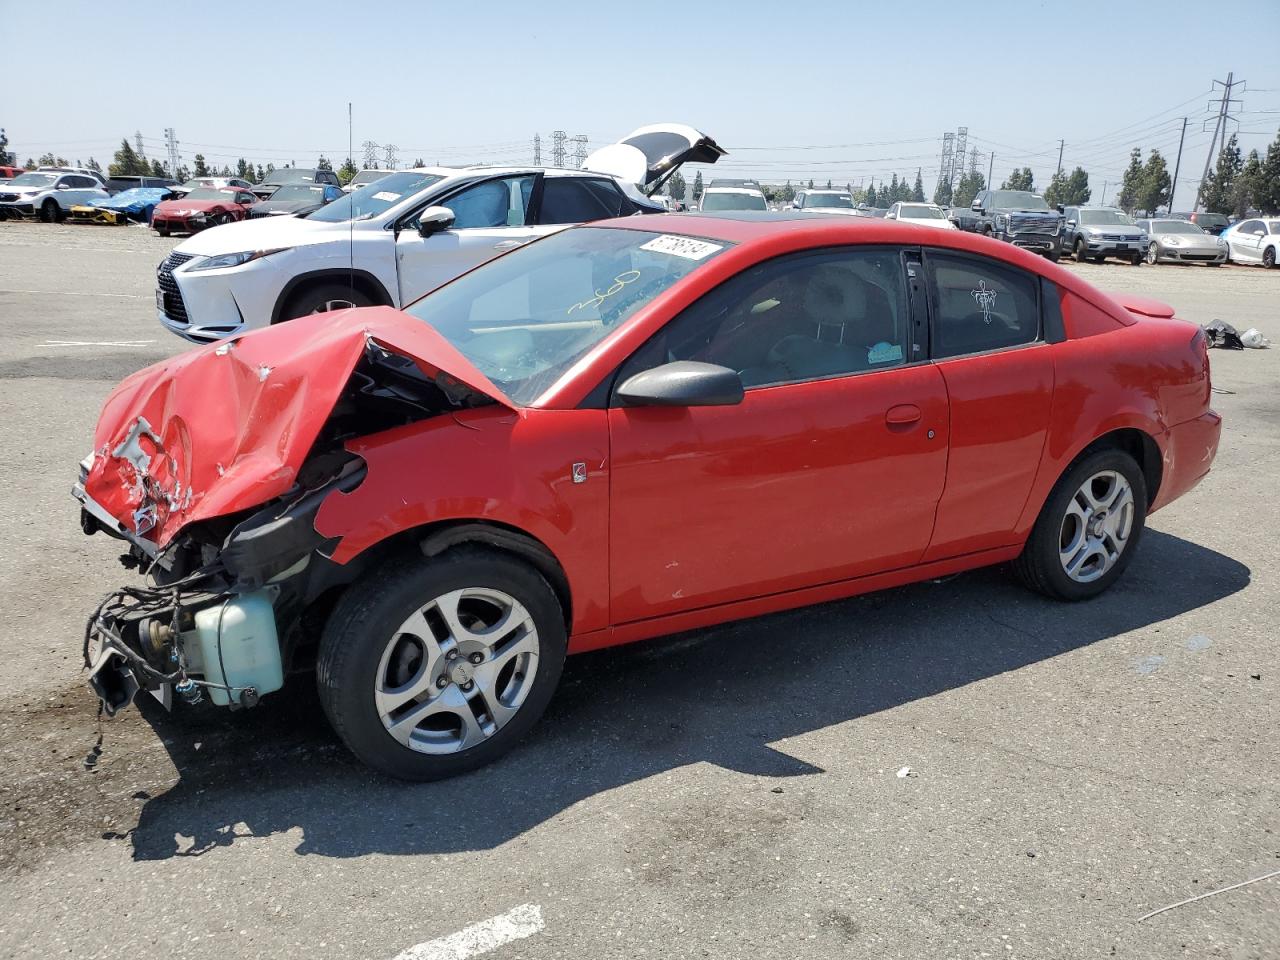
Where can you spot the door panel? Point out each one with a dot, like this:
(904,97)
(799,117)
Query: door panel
(798,485)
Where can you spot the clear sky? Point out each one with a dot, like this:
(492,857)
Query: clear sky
(847,91)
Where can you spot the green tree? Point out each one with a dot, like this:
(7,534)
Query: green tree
(1131,183)
(942,193)
(872,198)
(968,188)
(7,159)
(128,163)
(261,174)
(1249,185)
(1153,191)
(92,164)
(243,169)
(697,186)
(347,171)
(419,162)
(201,169)
(676,186)
(157,169)
(1068,189)
(788,192)
(894,189)
(1219,193)
(917,191)
(1266,192)
(324,164)
(1019,180)
(29,165)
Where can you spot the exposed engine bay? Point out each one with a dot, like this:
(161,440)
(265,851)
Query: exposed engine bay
(234,602)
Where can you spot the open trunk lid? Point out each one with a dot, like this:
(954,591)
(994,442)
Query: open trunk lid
(651,154)
(226,427)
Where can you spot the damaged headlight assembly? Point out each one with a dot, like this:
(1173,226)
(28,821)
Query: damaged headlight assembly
(222,260)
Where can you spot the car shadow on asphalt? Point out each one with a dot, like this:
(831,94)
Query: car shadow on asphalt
(720,696)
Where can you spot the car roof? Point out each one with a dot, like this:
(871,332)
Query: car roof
(747,190)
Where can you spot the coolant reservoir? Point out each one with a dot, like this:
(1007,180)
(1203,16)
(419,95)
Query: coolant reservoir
(239,647)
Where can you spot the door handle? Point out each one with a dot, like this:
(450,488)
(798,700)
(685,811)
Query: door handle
(509,244)
(902,414)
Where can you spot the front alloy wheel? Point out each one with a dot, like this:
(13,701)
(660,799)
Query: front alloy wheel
(429,667)
(457,670)
(1153,253)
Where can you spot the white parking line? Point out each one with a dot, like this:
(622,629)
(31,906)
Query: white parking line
(96,343)
(73,293)
(524,921)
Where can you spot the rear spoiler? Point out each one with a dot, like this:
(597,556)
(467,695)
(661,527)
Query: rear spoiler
(1143,306)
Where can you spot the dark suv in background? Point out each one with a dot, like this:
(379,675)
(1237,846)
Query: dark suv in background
(1211,223)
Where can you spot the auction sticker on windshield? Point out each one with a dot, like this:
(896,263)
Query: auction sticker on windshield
(685,247)
(387,196)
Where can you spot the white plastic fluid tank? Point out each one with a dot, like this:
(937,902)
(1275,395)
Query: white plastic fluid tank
(239,646)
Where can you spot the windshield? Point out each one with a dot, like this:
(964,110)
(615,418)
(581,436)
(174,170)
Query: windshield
(290,175)
(33,180)
(733,201)
(1105,218)
(375,199)
(1018,200)
(841,200)
(1175,226)
(526,318)
(368,176)
(208,193)
(919,211)
(299,191)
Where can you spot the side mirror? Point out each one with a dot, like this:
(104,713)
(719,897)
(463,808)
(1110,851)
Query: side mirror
(976,206)
(1059,208)
(1071,223)
(63,186)
(434,219)
(683,383)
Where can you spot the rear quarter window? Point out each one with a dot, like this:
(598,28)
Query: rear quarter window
(980,305)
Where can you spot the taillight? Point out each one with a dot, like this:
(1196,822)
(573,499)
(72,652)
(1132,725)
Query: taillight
(1200,348)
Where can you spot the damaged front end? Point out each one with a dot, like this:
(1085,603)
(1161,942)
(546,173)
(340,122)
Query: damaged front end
(212,468)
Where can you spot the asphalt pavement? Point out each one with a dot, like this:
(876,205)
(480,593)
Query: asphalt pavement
(950,769)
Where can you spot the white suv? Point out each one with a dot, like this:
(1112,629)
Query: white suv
(48,194)
(396,239)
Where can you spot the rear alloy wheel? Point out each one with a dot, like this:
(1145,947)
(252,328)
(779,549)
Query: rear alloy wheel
(50,212)
(1153,253)
(432,667)
(323,299)
(1269,257)
(1088,530)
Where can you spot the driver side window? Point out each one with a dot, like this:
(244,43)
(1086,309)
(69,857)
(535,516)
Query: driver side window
(796,318)
(494,203)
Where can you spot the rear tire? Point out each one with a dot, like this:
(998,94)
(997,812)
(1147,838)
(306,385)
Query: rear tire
(1088,529)
(1269,257)
(323,298)
(391,689)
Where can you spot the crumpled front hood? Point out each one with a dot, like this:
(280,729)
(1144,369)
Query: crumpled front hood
(225,427)
(179,207)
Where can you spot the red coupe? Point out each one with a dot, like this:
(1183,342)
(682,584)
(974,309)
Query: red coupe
(620,431)
(202,207)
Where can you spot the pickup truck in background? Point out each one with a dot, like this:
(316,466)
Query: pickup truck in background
(1015,216)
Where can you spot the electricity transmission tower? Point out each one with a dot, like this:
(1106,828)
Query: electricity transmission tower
(537,150)
(370,154)
(1219,126)
(948,157)
(171,143)
(557,148)
(579,150)
(390,154)
(962,139)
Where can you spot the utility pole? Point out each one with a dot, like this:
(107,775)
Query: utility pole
(948,154)
(537,150)
(962,138)
(350,143)
(991,166)
(579,150)
(1061,144)
(1224,107)
(370,155)
(137,139)
(1103,202)
(1173,187)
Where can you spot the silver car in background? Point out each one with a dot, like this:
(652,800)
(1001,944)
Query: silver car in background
(1180,241)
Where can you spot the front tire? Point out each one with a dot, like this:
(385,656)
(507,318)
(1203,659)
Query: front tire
(50,212)
(432,667)
(1269,257)
(322,299)
(1088,529)
(1153,253)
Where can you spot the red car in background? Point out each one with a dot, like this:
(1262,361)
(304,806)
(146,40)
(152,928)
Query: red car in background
(202,207)
(624,430)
